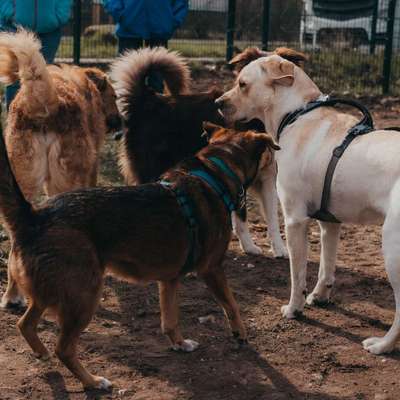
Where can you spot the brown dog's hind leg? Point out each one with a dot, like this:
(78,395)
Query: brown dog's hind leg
(73,320)
(170,315)
(28,328)
(217,283)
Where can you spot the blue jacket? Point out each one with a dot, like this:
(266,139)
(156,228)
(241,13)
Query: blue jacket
(147,19)
(41,16)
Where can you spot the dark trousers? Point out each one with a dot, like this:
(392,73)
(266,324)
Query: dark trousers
(136,43)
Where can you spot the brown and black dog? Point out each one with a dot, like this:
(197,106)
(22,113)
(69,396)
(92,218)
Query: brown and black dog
(62,250)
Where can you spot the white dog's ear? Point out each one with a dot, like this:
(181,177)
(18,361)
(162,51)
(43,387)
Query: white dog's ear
(279,71)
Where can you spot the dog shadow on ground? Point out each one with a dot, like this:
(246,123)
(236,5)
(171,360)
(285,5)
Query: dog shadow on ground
(246,372)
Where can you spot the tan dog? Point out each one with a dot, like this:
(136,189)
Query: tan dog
(58,120)
(365,187)
(62,250)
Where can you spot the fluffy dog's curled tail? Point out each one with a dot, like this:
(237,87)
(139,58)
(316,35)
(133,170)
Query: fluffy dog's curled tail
(17,212)
(20,59)
(131,71)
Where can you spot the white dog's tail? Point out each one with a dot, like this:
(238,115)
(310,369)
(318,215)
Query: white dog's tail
(21,59)
(131,73)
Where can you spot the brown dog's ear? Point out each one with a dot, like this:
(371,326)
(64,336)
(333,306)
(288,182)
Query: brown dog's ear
(98,77)
(246,57)
(209,129)
(281,72)
(292,55)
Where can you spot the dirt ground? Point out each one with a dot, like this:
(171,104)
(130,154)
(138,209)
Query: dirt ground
(317,357)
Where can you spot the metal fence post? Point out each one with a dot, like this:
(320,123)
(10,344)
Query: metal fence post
(387,59)
(372,44)
(265,23)
(230,29)
(77,21)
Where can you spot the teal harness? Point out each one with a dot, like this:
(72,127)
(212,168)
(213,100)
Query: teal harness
(187,206)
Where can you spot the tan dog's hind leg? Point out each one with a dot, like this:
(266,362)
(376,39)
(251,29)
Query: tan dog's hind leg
(296,233)
(28,325)
(268,199)
(170,316)
(12,296)
(241,229)
(218,285)
(390,247)
(326,275)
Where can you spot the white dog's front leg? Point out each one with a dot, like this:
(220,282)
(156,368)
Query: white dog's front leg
(326,276)
(296,234)
(268,199)
(241,229)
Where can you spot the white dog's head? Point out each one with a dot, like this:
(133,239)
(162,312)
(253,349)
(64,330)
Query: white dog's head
(267,88)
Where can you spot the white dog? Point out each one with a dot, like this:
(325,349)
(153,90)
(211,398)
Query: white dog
(365,187)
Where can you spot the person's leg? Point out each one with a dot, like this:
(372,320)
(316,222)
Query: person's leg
(11,91)
(129,44)
(155,79)
(50,43)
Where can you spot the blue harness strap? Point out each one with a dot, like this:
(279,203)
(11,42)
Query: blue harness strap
(187,207)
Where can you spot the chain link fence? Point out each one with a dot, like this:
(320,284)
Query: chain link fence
(353,48)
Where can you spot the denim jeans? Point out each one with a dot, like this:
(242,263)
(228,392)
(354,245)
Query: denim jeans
(50,42)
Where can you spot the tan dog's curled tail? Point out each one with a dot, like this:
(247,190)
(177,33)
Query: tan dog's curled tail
(17,212)
(21,59)
(132,70)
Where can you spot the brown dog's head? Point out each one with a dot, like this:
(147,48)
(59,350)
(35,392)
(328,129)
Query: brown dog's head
(250,150)
(108,96)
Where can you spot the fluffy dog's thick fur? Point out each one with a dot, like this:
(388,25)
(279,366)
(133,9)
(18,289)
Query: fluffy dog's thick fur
(61,250)
(57,121)
(161,130)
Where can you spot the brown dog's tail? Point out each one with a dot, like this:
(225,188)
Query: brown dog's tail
(21,59)
(15,209)
(131,74)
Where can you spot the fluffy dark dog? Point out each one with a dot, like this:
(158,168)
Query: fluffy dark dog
(61,250)
(160,129)
(163,129)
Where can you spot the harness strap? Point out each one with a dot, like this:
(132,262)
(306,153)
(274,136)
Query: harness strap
(187,211)
(364,126)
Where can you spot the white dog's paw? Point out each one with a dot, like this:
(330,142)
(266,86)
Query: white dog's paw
(280,252)
(15,302)
(252,249)
(186,346)
(315,299)
(378,345)
(289,312)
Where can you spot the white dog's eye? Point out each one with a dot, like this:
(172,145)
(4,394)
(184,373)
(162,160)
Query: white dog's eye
(242,84)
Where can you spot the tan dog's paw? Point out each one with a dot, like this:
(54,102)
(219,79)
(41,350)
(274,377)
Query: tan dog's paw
(186,346)
(280,252)
(16,302)
(290,313)
(378,345)
(313,299)
(42,356)
(253,250)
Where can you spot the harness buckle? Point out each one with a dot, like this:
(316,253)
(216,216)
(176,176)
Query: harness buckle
(338,151)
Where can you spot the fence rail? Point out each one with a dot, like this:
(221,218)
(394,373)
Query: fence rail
(358,55)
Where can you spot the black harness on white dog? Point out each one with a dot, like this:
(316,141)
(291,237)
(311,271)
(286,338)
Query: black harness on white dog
(366,125)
